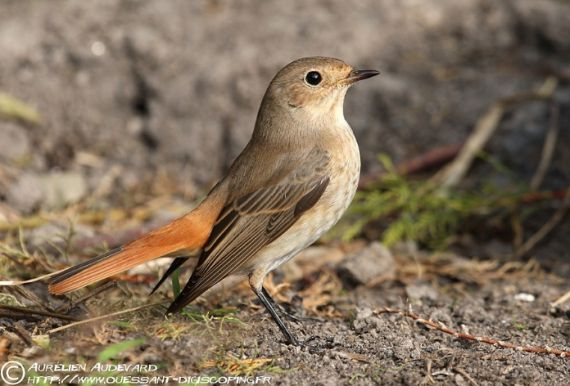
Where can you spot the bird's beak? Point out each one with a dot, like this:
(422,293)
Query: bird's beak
(356,75)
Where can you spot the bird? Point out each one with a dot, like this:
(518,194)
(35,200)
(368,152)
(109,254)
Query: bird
(292,182)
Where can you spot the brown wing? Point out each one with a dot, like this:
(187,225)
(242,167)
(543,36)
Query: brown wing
(253,221)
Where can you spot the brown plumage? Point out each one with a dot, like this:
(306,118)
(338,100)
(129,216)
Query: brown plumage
(291,183)
(187,233)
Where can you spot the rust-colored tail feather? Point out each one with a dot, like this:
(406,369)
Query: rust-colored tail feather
(186,233)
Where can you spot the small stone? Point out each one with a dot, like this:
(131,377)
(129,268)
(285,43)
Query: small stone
(49,235)
(363,313)
(26,193)
(14,142)
(54,190)
(61,189)
(459,380)
(338,339)
(524,297)
(359,325)
(368,264)
(565,330)
(420,291)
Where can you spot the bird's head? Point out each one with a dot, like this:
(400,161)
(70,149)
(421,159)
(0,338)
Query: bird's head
(313,89)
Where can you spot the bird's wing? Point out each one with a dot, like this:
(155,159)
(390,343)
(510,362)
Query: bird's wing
(254,220)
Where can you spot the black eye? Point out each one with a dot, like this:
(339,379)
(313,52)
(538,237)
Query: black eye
(313,78)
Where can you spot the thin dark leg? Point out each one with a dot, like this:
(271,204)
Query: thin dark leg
(287,314)
(177,262)
(269,307)
(279,306)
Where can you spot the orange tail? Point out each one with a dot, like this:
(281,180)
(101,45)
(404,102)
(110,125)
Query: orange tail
(186,233)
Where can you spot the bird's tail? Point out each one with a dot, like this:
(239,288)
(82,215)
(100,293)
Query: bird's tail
(184,234)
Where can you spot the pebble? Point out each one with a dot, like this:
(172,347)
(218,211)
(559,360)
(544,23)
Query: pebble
(368,264)
(421,291)
(14,142)
(50,191)
(525,297)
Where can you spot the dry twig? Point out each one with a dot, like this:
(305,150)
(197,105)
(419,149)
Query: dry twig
(428,379)
(467,376)
(24,313)
(10,283)
(541,196)
(13,108)
(548,227)
(21,333)
(465,336)
(561,300)
(451,175)
(430,159)
(101,317)
(547,149)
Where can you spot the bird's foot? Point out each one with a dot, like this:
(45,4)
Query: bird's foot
(316,344)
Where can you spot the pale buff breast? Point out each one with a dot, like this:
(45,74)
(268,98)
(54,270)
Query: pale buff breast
(345,162)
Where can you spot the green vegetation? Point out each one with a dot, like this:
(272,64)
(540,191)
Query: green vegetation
(176,283)
(422,211)
(114,350)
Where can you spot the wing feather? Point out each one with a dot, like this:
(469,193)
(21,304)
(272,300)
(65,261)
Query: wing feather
(254,220)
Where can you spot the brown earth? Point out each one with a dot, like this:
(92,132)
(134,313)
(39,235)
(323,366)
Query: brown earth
(144,104)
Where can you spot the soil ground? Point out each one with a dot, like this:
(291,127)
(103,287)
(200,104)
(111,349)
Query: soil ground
(142,105)
(346,342)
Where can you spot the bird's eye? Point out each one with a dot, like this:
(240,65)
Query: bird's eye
(313,78)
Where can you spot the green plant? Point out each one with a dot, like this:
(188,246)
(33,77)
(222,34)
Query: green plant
(113,350)
(421,210)
(176,283)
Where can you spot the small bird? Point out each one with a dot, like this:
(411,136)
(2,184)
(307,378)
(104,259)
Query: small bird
(291,183)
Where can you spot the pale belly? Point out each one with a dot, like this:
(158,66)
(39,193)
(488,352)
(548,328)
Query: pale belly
(319,219)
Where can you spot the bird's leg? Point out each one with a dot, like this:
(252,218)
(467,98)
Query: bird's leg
(327,344)
(280,307)
(258,290)
(267,303)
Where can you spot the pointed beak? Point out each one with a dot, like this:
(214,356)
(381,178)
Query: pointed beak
(356,75)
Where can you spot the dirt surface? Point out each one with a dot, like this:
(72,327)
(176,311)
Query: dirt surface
(143,105)
(348,343)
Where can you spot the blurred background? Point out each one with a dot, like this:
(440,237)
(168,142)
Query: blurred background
(118,115)
(170,90)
